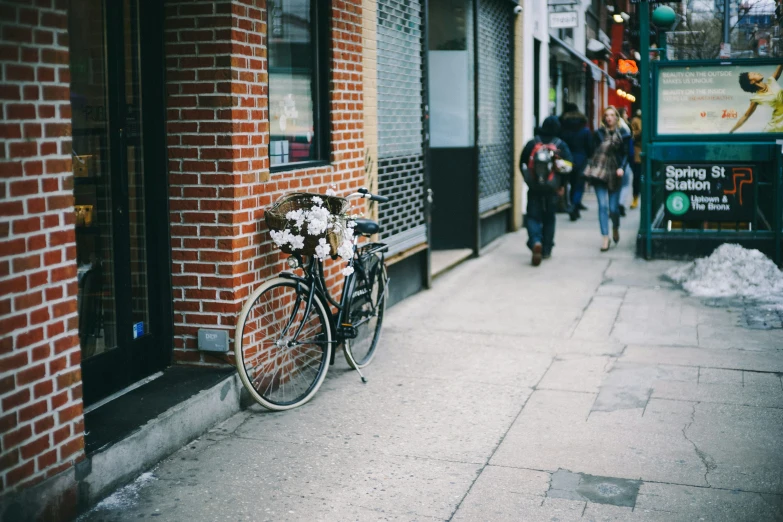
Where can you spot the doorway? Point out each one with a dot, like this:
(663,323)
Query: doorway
(118,148)
(452,125)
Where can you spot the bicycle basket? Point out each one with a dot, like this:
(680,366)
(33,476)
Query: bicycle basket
(276,220)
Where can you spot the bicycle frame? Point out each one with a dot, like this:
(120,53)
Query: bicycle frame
(314,279)
(281,356)
(350,281)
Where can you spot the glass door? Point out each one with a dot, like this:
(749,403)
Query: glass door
(121,285)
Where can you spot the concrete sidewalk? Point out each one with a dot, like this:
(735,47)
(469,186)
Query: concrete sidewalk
(585,389)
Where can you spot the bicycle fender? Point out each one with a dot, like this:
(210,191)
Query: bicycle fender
(292,276)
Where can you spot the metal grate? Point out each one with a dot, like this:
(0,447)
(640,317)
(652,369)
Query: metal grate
(495,89)
(400,126)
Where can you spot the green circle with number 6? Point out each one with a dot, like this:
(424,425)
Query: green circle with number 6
(678,203)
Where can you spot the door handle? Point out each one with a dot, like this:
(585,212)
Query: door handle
(122,176)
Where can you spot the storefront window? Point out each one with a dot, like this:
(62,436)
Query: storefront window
(294,82)
(451,75)
(109,176)
(92,180)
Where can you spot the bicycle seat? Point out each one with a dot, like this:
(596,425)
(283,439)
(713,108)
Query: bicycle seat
(366,227)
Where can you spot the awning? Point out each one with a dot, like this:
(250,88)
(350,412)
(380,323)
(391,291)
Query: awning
(594,69)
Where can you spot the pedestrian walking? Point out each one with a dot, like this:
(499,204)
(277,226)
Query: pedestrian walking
(605,172)
(576,134)
(623,122)
(544,162)
(625,190)
(636,164)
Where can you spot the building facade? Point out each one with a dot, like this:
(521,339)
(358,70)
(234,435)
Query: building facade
(586,41)
(141,142)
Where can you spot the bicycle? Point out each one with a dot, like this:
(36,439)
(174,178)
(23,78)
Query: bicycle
(287,328)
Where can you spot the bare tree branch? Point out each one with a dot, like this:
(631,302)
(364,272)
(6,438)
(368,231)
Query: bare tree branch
(701,34)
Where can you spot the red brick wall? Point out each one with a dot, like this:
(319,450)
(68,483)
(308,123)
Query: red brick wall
(41,423)
(218,128)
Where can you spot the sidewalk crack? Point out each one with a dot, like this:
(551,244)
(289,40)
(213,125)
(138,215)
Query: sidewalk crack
(709,462)
(776,506)
(617,315)
(511,425)
(649,396)
(584,310)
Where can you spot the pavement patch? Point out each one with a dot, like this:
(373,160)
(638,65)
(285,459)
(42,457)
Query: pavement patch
(755,314)
(591,488)
(760,317)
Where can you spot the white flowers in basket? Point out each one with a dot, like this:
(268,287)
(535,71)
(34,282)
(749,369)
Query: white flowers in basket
(316,222)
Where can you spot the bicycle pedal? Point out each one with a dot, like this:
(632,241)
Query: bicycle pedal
(347,331)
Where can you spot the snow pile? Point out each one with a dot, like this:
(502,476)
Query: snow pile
(127,496)
(731,271)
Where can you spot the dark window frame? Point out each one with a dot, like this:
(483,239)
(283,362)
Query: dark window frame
(320,14)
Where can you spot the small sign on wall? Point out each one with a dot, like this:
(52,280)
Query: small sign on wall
(138,330)
(563,20)
(213,340)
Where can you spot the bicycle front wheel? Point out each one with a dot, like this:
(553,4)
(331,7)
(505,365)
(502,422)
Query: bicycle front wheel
(368,305)
(282,355)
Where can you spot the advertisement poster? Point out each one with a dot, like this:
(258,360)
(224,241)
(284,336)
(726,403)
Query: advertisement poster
(720,99)
(709,192)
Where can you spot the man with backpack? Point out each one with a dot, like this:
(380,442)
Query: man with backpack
(544,162)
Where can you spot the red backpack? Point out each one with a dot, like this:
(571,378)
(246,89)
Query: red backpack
(542,173)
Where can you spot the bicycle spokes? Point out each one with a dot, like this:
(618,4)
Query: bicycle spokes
(283,349)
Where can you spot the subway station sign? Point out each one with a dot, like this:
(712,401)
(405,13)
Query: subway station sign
(709,192)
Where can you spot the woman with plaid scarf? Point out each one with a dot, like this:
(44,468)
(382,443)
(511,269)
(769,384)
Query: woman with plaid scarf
(605,172)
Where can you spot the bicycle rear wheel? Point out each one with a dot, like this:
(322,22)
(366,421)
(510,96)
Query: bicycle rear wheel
(366,313)
(282,369)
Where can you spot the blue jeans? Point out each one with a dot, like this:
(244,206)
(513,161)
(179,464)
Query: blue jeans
(607,207)
(540,221)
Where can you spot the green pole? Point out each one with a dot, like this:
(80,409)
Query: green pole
(778,214)
(644,74)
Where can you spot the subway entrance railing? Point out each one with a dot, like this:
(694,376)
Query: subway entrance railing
(712,153)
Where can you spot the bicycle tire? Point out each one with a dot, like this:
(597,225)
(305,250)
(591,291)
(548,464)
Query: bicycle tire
(367,310)
(277,375)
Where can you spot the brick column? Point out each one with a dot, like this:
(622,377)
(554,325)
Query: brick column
(218,128)
(41,422)
(370,89)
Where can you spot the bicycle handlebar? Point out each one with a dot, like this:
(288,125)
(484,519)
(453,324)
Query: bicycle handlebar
(365,194)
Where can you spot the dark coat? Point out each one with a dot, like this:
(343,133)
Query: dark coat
(620,152)
(562,151)
(576,134)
